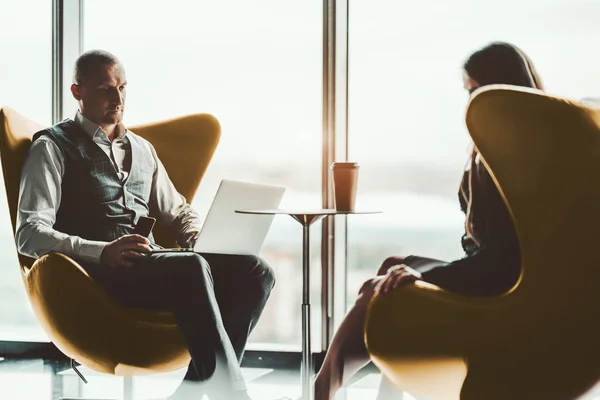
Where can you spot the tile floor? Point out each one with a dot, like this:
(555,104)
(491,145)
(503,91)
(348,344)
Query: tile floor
(37,380)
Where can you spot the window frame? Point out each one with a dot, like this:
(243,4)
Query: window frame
(67,44)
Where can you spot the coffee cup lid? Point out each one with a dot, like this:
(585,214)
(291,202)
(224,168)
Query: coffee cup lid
(344,164)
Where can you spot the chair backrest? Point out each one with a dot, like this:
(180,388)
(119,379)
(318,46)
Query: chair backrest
(16,133)
(185,146)
(544,153)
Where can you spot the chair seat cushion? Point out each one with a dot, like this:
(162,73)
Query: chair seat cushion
(154,318)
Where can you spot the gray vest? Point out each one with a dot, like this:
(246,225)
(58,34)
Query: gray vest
(95,204)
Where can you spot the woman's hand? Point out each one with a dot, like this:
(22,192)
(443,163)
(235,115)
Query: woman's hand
(397,275)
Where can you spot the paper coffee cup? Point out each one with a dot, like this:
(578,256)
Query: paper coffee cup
(345,182)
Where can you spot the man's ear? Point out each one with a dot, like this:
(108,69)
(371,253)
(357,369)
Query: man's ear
(75,92)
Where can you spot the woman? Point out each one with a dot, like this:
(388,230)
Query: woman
(491,264)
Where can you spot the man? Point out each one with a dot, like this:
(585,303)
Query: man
(93,179)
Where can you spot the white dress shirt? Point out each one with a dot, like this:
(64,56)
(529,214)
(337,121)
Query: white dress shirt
(40,197)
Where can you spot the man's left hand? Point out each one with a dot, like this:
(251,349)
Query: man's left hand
(397,275)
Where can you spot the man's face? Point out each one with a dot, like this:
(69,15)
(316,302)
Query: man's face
(101,95)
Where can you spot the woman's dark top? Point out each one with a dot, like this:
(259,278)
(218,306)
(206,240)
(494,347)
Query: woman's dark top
(494,266)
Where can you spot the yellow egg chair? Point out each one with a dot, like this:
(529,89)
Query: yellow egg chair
(80,318)
(541,339)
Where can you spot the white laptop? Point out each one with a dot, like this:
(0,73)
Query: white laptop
(226,232)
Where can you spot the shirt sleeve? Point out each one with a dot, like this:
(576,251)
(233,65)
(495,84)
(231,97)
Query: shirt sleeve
(39,200)
(486,272)
(171,207)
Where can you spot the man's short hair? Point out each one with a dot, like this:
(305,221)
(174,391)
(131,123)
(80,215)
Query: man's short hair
(88,62)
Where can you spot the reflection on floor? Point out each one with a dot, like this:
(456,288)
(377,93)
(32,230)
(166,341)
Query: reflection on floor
(35,380)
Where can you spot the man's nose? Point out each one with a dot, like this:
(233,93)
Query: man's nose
(118,97)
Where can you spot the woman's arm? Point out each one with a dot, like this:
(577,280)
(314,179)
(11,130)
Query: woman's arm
(488,271)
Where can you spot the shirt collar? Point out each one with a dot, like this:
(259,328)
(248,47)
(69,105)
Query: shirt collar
(92,129)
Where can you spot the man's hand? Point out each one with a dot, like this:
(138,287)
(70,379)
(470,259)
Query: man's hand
(396,276)
(125,250)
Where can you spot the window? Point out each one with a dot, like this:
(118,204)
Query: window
(26,87)
(407,104)
(256,66)
(26,67)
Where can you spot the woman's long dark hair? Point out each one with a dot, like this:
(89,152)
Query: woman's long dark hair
(502,63)
(496,63)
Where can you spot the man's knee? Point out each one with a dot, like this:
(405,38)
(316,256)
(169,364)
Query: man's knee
(184,274)
(264,272)
(193,265)
(389,263)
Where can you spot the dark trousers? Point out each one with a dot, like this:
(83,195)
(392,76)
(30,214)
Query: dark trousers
(216,299)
